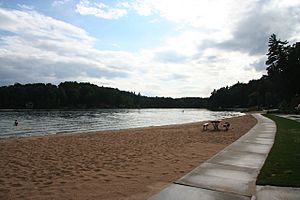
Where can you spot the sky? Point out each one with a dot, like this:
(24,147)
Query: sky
(170,48)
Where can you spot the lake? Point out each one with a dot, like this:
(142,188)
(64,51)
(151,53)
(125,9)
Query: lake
(41,122)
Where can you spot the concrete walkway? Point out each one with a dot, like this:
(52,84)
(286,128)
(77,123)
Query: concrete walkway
(232,173)
(292,117)
(274,192)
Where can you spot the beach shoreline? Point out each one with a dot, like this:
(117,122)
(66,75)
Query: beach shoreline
(71,132)
(130,163)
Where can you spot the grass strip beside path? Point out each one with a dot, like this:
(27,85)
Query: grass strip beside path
(282,166)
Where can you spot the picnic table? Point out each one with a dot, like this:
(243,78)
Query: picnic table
(215,124)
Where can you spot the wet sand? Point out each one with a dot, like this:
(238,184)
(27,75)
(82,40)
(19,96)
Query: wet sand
(124,164)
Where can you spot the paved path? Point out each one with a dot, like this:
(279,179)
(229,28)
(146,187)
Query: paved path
(232,173)
(292,117)
(277,193)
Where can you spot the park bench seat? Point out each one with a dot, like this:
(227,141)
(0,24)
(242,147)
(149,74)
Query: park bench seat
(226,125)
(205,126)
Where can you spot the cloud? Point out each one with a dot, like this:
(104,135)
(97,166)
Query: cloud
(25,7)
(85,7)
(39,70)
(243,26)
(205,14)
(169,57)
(251,33)
(59,2)
(43,49)
(153,21)
(178,77)
(225,25)
(31,24)
(215,43)
(259,65)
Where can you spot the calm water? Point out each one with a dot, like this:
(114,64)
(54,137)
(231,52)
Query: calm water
(50,122)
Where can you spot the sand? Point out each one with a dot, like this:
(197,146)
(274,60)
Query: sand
(124,164)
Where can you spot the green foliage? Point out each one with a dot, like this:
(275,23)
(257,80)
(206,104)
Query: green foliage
(84,95)
(282,165)
(277,57)
(279,89)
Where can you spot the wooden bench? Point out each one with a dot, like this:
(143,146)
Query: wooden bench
(226,125)
(205,126)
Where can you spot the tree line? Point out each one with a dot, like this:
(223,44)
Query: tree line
(73,95)
(280,88)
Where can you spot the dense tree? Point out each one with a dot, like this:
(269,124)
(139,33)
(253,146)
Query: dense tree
(292,71)
(279,89)
(277,57)
(69,95)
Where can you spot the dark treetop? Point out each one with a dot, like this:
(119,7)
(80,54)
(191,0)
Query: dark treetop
(280,88)
(84,95)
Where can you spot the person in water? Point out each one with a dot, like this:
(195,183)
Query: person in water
(16,122)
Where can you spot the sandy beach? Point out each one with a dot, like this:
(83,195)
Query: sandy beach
(123,164)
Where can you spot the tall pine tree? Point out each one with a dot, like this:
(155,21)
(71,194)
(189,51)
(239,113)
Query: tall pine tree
(277,57)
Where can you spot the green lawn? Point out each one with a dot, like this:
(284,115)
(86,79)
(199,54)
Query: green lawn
(282,167)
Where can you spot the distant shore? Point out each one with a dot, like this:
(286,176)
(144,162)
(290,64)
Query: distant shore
(124,164)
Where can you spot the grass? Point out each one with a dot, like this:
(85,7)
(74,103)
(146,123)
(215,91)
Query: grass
(282,167)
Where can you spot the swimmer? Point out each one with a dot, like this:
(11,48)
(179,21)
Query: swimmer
(16,122)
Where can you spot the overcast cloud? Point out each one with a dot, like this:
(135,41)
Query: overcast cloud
(215,43)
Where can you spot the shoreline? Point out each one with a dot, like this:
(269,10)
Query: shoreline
(3,137)
(130,163)
(70,133)
(95,131)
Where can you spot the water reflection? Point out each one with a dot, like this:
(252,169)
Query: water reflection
(47,122)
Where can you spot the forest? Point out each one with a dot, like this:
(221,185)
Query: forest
(280,88)
(73,95)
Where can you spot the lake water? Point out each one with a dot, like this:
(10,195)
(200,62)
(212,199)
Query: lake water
(51,122)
